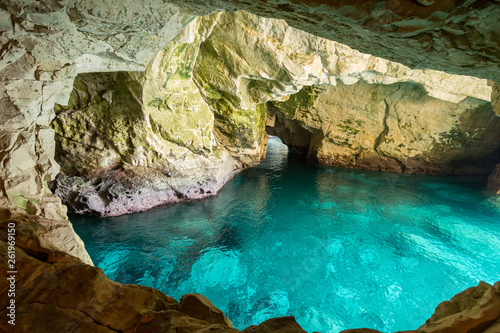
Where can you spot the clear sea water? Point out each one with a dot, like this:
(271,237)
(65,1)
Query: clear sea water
(336,248)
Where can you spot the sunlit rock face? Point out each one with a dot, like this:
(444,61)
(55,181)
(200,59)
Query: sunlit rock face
(455,36)
(44,44)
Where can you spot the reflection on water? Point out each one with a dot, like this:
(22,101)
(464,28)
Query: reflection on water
(335,248)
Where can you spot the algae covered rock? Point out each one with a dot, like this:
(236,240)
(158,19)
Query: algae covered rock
(117,159)
(396,127)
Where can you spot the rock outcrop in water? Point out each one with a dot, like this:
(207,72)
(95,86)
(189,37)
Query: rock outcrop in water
(120,152)
(131,141)
(395,127)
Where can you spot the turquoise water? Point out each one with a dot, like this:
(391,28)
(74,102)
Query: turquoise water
(335,248)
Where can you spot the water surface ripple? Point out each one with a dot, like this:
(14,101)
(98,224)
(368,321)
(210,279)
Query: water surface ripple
(335,248)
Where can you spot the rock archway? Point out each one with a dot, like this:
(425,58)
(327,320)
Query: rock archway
(197,115)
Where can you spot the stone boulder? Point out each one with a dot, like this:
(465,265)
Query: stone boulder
(198,306)
(476,309)
(276,325)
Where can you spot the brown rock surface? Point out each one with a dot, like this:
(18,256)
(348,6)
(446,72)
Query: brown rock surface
(198,306)
(472,310)
(278,325)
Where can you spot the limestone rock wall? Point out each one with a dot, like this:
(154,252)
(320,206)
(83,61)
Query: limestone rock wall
(123,148)
(43,45)
(459,37)
(199,112)
(395,127)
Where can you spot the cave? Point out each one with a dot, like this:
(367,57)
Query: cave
(121,108)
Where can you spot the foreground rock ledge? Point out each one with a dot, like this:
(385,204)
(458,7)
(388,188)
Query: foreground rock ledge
(56,292)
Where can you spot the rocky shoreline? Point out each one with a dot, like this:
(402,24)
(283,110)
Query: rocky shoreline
(125,191)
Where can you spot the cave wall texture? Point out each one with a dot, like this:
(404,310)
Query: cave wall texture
(202,105)
(45,44)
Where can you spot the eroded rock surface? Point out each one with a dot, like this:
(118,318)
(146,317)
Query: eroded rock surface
(120,152)
(453,36)
(204,100)
(283,324)
(44,44)
(395,127)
